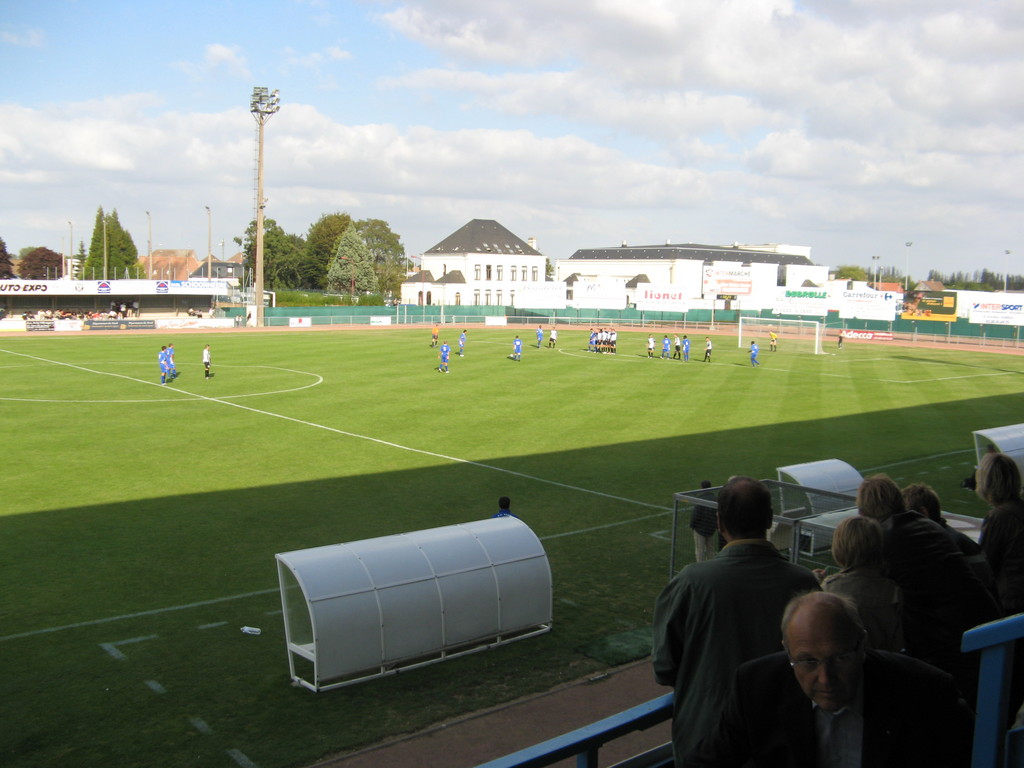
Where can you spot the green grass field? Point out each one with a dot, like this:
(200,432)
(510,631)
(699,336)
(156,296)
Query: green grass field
(139,523)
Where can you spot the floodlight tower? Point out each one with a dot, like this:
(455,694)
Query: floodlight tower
(264,103)
(209,243)
(906,277)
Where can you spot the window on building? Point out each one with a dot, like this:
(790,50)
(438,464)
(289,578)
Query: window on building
(476,269)
(535,274)
(499,274)
(513,274)
(487,274)
(476,298)
(498,298)
(458,299)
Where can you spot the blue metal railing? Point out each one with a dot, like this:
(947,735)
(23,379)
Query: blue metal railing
(995,640)
(584,743)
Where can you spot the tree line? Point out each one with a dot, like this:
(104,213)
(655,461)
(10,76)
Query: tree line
(979,280)
(337,255)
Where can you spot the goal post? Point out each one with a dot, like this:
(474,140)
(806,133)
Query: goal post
(794,335)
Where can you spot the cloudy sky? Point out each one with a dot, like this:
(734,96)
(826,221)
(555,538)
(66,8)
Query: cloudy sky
(850,126)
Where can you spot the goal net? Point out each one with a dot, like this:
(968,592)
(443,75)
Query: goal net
(793,335)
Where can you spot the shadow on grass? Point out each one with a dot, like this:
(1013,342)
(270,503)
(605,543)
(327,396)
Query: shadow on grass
(602,512)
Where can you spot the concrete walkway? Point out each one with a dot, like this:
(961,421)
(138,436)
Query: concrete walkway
(489,734)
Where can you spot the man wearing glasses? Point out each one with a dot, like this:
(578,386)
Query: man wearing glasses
(827,701)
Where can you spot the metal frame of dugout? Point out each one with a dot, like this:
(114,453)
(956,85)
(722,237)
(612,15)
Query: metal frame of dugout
(370,608)
(1008,440)
(803,522)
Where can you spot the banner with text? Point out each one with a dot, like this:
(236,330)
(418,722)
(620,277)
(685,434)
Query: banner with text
(996,314)
(727,277)
(801,301)
(657,297)
(868,305)
(931,305)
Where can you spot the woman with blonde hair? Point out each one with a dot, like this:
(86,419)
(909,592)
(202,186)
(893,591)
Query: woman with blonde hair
(1002,533)
(857,550)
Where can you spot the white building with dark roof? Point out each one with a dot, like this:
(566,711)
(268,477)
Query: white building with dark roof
(482,263)
(748,274)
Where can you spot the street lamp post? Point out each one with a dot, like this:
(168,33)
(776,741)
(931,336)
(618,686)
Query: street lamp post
(1006,269)
(149,243)
(71,250)
(104,247)
(209,243)
(263,104)
(906,275)
(875,260)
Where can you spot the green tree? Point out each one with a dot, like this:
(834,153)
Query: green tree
(351,269)
(282,253)
(386,253)
(850,272)
(41,264)
(6,267)
(321,245)
(112,253)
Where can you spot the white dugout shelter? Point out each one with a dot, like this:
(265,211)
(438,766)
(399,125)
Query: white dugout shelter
(825,475)
(374,607)
(1008,440)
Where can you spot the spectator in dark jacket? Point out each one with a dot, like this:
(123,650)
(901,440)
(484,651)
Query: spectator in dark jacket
(942,596)
(921,498)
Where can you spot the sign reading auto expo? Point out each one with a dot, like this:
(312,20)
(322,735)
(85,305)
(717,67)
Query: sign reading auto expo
(115,287)
(23,286)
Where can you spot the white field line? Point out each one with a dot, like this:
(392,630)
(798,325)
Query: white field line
(228,598)
(661,509)
(378,441)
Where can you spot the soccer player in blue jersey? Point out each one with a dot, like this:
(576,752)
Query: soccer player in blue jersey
(462,344)
(592,344)
(540,336)
(665,345)
(517,349)
(161,358)
(171,368)
(686,349)
(753,354)
(444,353)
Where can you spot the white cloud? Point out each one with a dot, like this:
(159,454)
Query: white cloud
(217,59)
(29,38)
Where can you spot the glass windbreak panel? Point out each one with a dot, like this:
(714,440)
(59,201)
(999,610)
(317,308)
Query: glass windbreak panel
(296,612)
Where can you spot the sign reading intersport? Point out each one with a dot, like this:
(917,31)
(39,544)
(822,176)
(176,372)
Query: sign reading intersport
(996,313)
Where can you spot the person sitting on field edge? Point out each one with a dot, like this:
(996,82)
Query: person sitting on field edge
(503,508)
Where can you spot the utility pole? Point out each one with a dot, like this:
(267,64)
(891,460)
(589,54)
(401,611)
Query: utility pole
(263,104)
